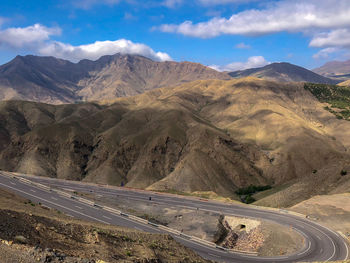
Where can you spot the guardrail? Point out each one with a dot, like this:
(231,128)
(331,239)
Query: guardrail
(152,224)
(132,217)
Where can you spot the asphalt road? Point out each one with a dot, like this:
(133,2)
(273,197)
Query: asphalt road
(321,244)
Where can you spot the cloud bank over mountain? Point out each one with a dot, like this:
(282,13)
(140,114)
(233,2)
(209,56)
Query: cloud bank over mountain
(252,62)
(37,38)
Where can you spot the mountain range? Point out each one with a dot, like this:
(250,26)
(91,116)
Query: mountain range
(52,80)
(206,135)
(172,126)
(56,81)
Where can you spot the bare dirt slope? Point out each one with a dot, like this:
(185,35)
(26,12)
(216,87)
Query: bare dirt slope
(32,233)
(208,135)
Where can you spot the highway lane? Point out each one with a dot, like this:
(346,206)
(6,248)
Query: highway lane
(320,243)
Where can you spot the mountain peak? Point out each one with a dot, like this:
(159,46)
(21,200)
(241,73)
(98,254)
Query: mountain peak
(53,80)
(337,70)
(283,72)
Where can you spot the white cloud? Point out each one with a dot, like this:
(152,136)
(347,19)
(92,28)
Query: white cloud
(18,37)
(100,48)
(285,15)
(37,39)
(242,46)
(172,3)
(252,62)
(324,53)
(334,38)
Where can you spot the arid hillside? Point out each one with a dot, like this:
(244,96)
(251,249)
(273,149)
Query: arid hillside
(283,72)
(345,83)
(52,80)
(338,70)
(208,135)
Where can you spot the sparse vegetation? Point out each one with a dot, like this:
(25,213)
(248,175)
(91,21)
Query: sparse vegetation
(343,172)
(249,199)
(337,97)
(252,189)
(247,192)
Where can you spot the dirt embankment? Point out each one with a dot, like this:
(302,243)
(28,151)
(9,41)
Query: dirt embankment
(264,238)
(37,234)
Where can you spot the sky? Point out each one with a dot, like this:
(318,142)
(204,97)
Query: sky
(223,34)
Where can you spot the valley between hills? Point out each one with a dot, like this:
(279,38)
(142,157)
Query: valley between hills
(208,135)
(276,136)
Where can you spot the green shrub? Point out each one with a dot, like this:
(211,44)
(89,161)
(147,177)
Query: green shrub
(252,189)
(337,97)
(249,199)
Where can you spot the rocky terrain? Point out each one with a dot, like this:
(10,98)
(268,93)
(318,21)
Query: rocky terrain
(203,136)
(283,72)
(52,80)
(33,233)
(262,237)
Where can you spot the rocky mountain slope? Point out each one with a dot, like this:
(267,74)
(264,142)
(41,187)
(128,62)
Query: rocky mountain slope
(52,80)
(208,135)
(283,72)
(338,70)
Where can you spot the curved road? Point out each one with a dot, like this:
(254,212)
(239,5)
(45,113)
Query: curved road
(321,244)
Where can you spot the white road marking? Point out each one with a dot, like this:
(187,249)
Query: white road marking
(12,183)
(54,198)
(79,207)
(318,237)
(37,197)
(107,217)
(32,190)
(334,250)
(308,248)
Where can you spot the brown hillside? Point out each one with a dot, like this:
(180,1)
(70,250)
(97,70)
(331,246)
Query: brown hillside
(208,135)
(283,72)
(338,70)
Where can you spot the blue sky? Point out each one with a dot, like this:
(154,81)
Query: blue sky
(224,34)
